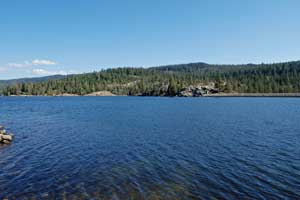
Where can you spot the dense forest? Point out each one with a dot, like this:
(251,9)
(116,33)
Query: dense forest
(171,80)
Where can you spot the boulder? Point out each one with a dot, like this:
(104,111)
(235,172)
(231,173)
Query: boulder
(7,137)
(191,91)
(4,136)
(6,141)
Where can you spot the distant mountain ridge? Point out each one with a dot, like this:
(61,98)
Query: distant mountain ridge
(4,83)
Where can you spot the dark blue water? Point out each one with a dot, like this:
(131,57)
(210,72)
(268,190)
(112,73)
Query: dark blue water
(150,148)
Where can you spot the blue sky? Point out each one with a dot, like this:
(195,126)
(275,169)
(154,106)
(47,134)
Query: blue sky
(62,36)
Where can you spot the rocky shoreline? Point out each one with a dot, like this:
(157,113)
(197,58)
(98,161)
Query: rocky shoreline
(5,138)
(253,95)
(198,90)
(180,95)
(191,91)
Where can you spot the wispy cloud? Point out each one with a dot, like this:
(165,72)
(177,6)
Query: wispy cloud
(2,69)
(36,67)
(19,65)
(44,72)
(35,62)
(43,62)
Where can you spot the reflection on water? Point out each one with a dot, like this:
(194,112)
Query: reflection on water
(150,148)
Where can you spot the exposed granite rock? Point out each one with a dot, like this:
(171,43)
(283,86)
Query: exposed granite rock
(198,90)
(101,93)
(5,138)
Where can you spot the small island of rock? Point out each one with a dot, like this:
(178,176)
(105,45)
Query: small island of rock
(5,138)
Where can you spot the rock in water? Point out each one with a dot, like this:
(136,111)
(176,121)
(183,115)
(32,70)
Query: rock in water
(6,141)
(7,137)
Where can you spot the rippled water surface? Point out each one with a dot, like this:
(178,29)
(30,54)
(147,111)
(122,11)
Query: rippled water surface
(150,148)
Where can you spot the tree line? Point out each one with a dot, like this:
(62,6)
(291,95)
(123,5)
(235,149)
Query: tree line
(170,80)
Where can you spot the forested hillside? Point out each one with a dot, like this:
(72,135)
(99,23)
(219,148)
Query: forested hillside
(171,80)
(5,83)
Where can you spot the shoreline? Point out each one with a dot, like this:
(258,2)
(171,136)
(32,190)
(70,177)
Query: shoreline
(253,95)
(206,95)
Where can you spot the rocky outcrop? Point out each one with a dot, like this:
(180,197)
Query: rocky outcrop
(5,138)
(101,93)
(198,90)
(67,95)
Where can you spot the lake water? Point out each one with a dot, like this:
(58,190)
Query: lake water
(150,148)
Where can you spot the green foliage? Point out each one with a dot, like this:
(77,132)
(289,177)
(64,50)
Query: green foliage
(170,80)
